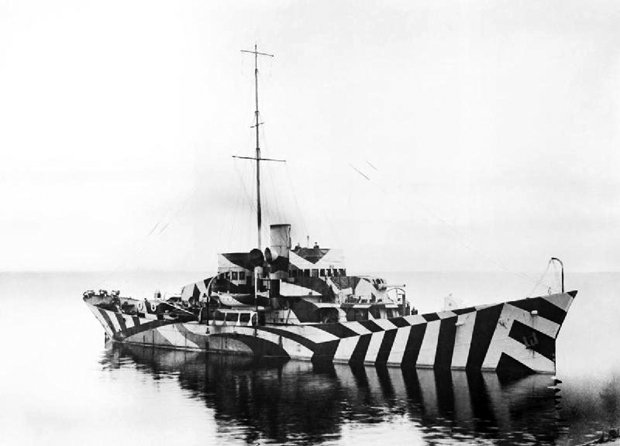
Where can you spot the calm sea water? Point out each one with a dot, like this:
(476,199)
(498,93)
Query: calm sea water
(60,384)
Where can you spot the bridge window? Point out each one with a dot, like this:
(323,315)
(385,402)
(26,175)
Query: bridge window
(244,318)
(218,316)
(322,272)
(357,314)
(241,275)
(393,312)
(314,273)
(307,273)
(234,275)
(232,317)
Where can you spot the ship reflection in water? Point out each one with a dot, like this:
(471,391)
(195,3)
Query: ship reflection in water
(277,401)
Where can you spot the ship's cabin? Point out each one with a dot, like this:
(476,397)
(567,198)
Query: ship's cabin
(238,318)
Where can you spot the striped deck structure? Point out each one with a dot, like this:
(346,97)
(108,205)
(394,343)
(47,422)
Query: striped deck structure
(516,337)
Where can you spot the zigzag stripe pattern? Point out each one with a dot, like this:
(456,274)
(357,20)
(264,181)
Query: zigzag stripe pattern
(514,335)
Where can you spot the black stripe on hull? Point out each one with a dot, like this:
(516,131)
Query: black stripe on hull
(510,368)
(121,321)
(323,351)
(400,322)
(545,309)
(338,330)
(292,336)
(533,339)
(445,343)
(386,346)
(464,310)
(484,327)
(431,317)
(414,343)
(360,350)
(371,326)
(146,326)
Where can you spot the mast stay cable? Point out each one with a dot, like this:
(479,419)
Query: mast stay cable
(458,236)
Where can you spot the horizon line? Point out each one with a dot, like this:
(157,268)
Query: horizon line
(362,272)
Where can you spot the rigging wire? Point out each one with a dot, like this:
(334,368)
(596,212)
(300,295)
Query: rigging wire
(240,202)
(542,277)
(299,210)
(139,246)
(248,195)
(274,206)
(458,236)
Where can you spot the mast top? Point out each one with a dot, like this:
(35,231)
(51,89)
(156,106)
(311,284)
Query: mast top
(256,52)
(256,125)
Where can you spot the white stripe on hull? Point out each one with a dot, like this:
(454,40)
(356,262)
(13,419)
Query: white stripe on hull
(171,334)
(462,342)
(510,313)
(115,324)
(102,321)
(309,332)
(373,347)
(559,300)
(426,358)
(129,322)
(345,349)
(357,328)
(516,350)
(398,348)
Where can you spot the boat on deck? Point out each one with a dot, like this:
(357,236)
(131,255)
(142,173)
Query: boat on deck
(301,303)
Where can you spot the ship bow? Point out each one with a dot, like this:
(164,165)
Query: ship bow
(525,334)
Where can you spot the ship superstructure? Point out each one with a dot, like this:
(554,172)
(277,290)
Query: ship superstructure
(296,285)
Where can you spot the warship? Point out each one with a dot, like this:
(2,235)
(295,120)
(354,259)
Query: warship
(302,303)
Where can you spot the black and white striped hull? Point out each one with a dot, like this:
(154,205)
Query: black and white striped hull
(513,337)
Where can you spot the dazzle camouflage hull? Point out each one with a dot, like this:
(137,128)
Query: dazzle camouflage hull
(516,337)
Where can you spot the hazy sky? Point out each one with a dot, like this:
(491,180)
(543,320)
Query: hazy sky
(489,130)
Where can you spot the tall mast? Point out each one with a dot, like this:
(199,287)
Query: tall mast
(256,124)
(257,158)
